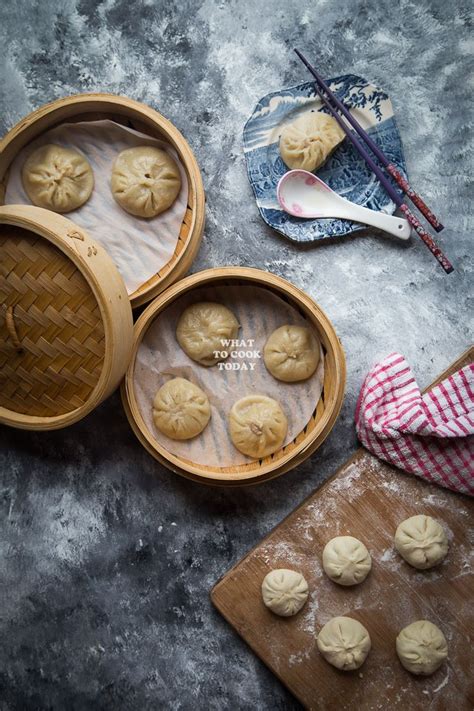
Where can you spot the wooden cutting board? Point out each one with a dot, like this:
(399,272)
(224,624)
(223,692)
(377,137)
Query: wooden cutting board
(368,500)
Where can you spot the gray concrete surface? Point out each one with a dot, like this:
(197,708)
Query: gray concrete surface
(106,558)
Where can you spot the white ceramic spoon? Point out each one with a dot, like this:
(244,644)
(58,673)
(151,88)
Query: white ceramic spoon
(302,194)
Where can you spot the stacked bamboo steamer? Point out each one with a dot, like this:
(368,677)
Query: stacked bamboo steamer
(66,330)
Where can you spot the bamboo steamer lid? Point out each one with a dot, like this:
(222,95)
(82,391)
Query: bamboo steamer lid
(66,328)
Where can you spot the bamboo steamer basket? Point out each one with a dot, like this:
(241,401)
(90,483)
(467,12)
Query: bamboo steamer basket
(93,107)
(66,329)
(326,409)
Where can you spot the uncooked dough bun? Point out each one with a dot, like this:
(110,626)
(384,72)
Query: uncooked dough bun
(284,591)
(307,142)
(57,178)
(421,647)
(203,328)
(344,643)
(145,180)
(346,560)
(181,409)
(257,425)
(421,541)
(291,353)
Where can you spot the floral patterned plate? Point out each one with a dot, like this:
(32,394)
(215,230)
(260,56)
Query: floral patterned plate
(345,171)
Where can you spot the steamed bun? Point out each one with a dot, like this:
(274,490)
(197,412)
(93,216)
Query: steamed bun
(291,353)
(257,426)
(57,178)
(308,141)
(145,180)
(203,329)
(181,410)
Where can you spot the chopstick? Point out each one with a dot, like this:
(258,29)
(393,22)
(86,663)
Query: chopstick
(389,167)
(397,199)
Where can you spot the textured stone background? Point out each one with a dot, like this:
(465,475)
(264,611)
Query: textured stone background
(106,558)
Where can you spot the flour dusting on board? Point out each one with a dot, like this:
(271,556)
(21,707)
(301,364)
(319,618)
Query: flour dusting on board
(346,482)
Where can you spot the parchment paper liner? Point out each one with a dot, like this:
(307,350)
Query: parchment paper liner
(160,358)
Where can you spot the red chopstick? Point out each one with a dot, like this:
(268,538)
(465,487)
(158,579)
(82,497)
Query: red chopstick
(389,167)
(412,219)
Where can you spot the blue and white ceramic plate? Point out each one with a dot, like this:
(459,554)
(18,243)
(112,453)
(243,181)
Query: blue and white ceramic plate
(345,171)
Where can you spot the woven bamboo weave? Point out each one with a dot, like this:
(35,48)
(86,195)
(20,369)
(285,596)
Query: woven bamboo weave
(52,340)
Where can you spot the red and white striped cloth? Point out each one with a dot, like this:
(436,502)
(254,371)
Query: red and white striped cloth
(428,435)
